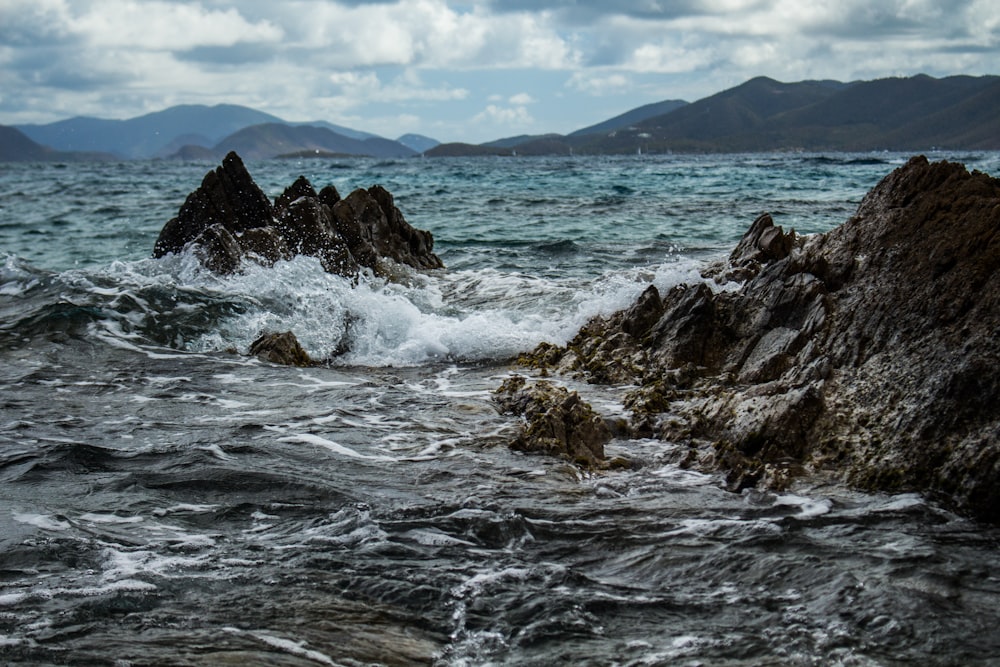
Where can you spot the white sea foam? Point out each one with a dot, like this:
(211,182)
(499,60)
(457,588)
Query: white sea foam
(332,446)
(296,648)
(808,507)
(459,315)
(43,521)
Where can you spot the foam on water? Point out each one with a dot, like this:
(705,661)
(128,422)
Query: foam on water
(173,306)
(470,315)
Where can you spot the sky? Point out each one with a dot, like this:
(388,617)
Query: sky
(472,70)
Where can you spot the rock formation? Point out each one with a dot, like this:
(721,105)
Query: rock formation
(280,348)
(556,421)
(871,351)
(228,220)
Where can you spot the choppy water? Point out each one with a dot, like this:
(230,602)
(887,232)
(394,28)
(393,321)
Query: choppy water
(164,500)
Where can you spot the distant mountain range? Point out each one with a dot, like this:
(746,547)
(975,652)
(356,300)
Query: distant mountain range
(197,132)
(906,114)
(917,113)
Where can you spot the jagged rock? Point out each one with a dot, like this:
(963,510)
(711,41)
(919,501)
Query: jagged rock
(280,348)
(872,351)
(264,245)
(300,188)
(227,196)
(217,249)
(557,421)
(229,219)
(397,239)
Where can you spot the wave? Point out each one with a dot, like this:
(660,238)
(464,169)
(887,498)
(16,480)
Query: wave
(173,305)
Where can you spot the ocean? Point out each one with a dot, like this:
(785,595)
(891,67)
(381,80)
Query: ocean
(167,500)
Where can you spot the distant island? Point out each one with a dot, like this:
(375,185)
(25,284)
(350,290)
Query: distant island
(918,113)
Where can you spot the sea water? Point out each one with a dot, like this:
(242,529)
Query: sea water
(166,500)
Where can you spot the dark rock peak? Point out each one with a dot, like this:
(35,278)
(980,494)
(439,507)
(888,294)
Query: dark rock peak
(300,188)
(228,219)
(227,196)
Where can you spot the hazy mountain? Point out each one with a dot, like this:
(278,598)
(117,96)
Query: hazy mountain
(340,129)
(458,149)
(418,142)
(149,135)
(512,142)
(914,113)
(268,140)
(628,118)
(15,146)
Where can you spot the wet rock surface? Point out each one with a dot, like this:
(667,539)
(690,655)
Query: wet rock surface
(557,421)
(229,220)
(871,351)
(280,348)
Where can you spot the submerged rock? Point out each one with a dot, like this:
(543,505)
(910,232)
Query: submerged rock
(872,351)
(228,220)
(556,421)
(280,348)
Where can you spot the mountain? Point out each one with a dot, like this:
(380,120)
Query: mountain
(632,117)
(911,114)
(458,149)
(15,146)
(268,140)
(915,113)
(418,142)
(147,136)
(513,142)
(340,129)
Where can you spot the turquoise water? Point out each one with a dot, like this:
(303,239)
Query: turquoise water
(166,500)
(64,216)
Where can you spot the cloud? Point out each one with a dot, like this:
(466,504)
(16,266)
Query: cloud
(426,33)
(597,84)
(362,87)
(460,64)
(168,26)
(511,117)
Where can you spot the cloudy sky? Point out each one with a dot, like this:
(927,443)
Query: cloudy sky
(469,70)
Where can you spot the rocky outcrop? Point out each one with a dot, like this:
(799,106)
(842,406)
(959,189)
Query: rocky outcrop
(228,220)
(556,421)
(280,348)
(871,351)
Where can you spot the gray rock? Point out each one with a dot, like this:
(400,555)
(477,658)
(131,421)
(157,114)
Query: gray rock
(228,219)
(557,421)
(871,351)
(280,348)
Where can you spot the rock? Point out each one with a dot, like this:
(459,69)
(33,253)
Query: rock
(871,351)
(396,239)
(227,196)
(264,245)
(217,249)
(280,348)
(557,421)
(228,219)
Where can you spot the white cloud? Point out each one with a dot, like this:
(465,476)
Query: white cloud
(385,60)
(507,116)
(427,33)
(600,84)
(167,26)
(364,87)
